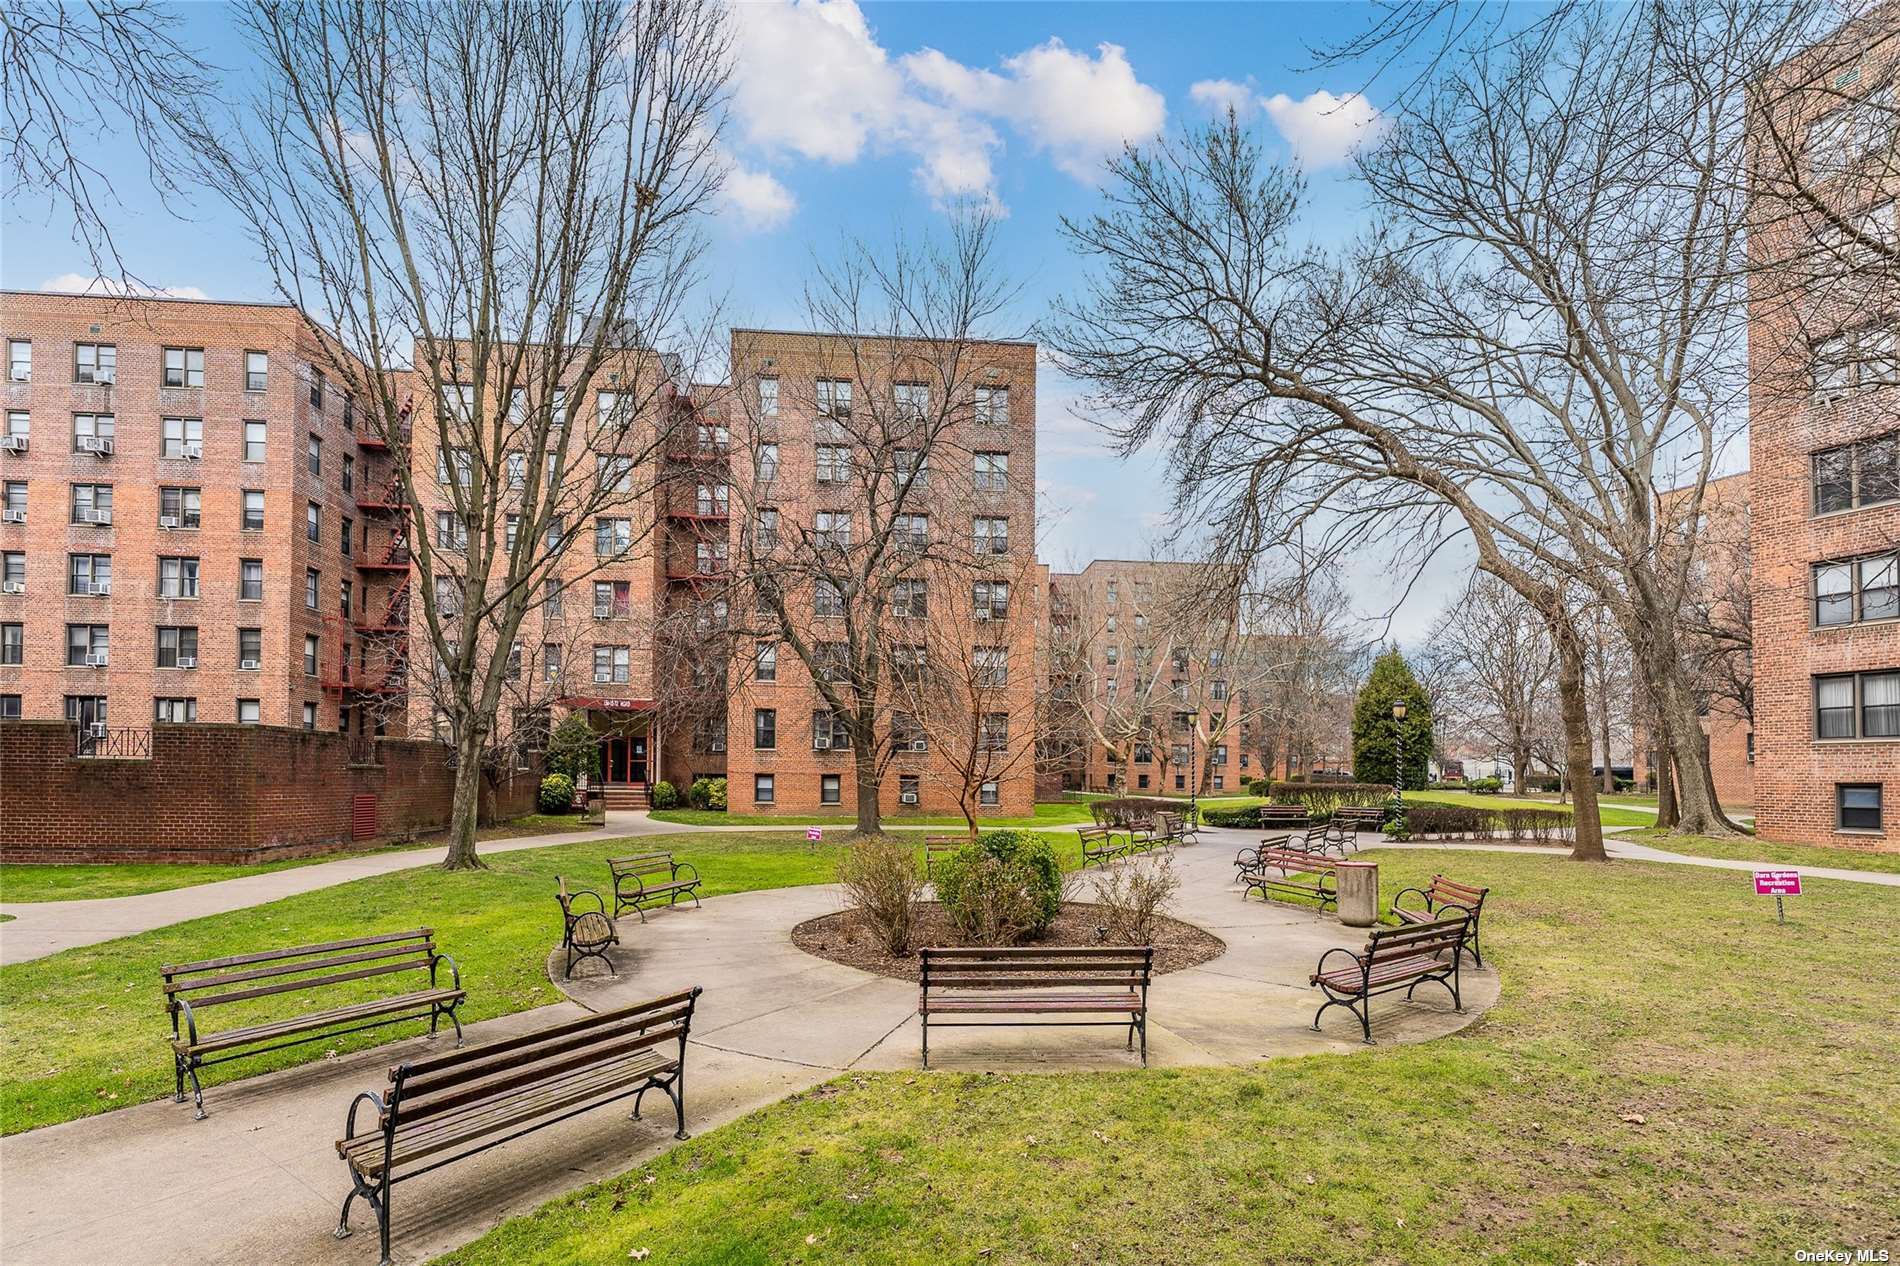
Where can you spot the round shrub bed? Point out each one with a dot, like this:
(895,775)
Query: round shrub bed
(844,938)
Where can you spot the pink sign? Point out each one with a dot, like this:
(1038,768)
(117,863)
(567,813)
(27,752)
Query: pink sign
(818,833)
(1777,883)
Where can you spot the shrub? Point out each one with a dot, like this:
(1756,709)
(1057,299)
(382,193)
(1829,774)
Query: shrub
(1542,826)
(882,881)
(1320,799)
(557,794)
(1245,819)
(1541,782)
(1485,786)
(699,795)
(1133,895)
(665,795)
(1129,810)
(716,794)
(1257,787)
(574,748)
(1001,888)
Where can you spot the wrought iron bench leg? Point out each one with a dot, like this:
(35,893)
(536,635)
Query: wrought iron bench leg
(178,1078)
(197,1092)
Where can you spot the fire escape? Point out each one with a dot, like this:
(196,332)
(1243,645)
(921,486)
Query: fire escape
(369,641)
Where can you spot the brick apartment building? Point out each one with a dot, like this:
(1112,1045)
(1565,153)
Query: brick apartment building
(180,485)
(1119,652)
(1825,453)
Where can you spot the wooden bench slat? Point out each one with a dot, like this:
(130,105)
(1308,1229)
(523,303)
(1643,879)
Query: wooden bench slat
(1031,1006)
(1019,952)
(446,1098)
(229,1038)
(292,986)
(210,964)
(476,1054)
(950,980)
(419,1085)
(284,969)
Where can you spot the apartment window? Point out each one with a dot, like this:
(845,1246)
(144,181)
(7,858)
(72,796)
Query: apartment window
(832,529)
(174,711)
(86,710)
(312,587)
(177,577)
(993,732)
(12,644)
(256,371)
(610,664)
(247,712)
(768,397)
(555,536)
(87,645)
(765,727)
(313,521)
(612,537)
(1220,782)
(92,503)
(616,473)
(910,466)
(909,788)
(93,432)
(551,660)
(551,591)
(19,425)
(1113,655)
(830,789)
(311,650)
(828,732)
(9,707)
(177,646)
(765,661)
(912,531)
(1218,691)
(991,472)
(250,648)
(182,437)
(610,407)
(316,386)
(991,599)
(1857,705)
(763,789)
(1857,806)
(184,367)
(992,405)
(992,667)
(179,507)
(992,536)
(1865,473)
(457,460)
(346,535)
(313,450)
(1838,140)
(448,597)
(765,529)
(910,597)
(834,397)
(912,401)
(451,533)
(765,463)
(834,464)
(827,599)
(1856,590)
(89,575)
(712,500)
(989,792)
(309,716)
(349,473)
(251,579)
(254,430)
(13,571)
(907,735)
(613,599)
(19,360)
(1854,360)
(253,513)
(516,467)
(95,362)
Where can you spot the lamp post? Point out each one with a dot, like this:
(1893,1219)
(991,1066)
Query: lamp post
(1398,766)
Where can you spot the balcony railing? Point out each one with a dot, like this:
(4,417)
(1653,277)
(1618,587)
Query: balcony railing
(114,744)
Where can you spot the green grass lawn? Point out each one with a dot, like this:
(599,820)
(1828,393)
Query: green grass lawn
(1669,1078)
(1607,814)
(31,881)
(1048,813)
(1751,849)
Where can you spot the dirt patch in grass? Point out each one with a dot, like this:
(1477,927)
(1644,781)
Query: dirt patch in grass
(843,938)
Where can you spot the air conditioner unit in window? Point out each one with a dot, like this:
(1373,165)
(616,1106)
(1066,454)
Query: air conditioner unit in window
(100,588)
(96,660)
(86,443)
(909,797)
(186,661)
(99,518)
(168,521)
(16,516)
(194,449)
(247,664)
(821,743)
(102,446)
(97,729)
(13,586)
(13,443)
(919,745)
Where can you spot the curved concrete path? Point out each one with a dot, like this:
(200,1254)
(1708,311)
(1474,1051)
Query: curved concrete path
(259,1180)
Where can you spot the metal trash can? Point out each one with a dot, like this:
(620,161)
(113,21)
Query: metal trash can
(1358,893)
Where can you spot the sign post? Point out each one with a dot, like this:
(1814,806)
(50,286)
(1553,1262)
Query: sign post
(1778,884)
(814,833)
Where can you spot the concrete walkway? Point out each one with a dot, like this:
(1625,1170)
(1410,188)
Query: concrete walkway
(259,1181)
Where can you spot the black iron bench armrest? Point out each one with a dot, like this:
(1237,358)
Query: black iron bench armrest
(191,1021)
(455,969)
(382,1113)
(1357,960)
(1426,896)
(686,866)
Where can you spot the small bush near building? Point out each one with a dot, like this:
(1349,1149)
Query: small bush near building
(574,748)
(716,794)
(1485,786)
(1320,799)
(665,795)
(882,881)
(1002,888)
(1133,895)
(557,794)
(1258,786)
(699,795)
(1245,819)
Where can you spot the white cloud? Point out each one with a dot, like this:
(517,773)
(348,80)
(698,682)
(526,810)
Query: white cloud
(757,198)
(1217,96)
(1324,129)
(812,81)
(81,284)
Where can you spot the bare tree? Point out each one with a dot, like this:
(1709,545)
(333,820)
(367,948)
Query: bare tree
(1500,666)
(75,71)
(1611,685)
(1314,660)
(497,204)
(843,576)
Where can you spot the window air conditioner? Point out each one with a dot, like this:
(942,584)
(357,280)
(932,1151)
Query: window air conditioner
(247,663)
(909,797)
(97,729)
(13,586)
(187,662)
(86,443)
(99,518)
(100,589)
(13,443)
(96,660)
(919,745)
(168,521)
(821,743)
(16,516)
(194,449)
(103,447)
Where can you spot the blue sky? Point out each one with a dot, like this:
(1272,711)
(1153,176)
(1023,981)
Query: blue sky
(861,120)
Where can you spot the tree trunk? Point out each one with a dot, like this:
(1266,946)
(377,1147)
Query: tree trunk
(1587,828)
(1603,719)
(1696,812)
(864,765)
(465,806)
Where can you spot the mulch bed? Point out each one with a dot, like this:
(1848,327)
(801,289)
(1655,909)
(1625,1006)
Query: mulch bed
(842,938)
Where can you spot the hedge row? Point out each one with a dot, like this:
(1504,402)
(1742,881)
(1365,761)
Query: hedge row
(1321,798)
(1538,826)
(1124,810)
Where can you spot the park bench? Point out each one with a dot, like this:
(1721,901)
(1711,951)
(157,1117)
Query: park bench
(194,988)
(585,933)
(1146,833)
(1443,894)
(1350,819)
(447,1107)
(1394,958)
(1174,828)
(1290,863)
(1100,845)
(1285,817)
(650,877)
(937,847)
(1247,859)
(1023,981)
